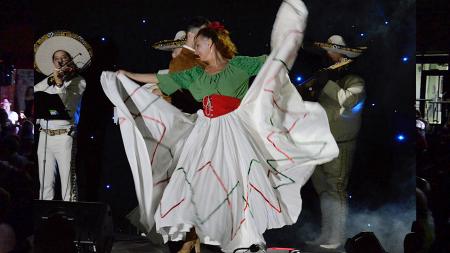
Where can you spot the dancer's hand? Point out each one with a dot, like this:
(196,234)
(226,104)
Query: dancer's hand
(158,92)
(123,72)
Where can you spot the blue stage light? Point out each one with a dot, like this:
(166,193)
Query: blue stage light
(358,107)
(400,137)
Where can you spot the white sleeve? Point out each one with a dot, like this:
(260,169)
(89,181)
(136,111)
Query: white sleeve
(41,86)
(77,85)
(82,85)
(347,97)
(14,116)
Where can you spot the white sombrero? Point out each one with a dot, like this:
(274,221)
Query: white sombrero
(169,45)
(70,42)
(337,44)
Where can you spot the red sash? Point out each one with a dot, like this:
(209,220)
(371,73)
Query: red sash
(217,105)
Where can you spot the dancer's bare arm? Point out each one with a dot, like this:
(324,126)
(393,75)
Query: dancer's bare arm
(144,78)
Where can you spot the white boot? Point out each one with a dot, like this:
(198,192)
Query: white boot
(325,222)
(337,213)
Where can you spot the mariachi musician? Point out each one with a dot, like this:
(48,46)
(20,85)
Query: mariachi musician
(60,55)
(184,58)
(341,94)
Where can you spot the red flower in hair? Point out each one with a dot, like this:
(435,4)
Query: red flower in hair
(216,25)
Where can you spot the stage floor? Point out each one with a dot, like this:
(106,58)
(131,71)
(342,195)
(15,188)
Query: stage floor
(147,247)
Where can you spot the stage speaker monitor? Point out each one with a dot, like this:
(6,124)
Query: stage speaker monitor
(364,242)
(88,223)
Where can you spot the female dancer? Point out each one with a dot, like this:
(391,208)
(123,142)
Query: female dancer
(236,169)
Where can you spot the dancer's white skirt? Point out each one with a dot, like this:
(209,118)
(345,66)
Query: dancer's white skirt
(234,176)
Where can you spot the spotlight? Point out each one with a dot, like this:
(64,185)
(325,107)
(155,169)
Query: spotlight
(400,137)
(364,242)
(386,22)
(298,78)
(361,34)
(103,39)
(108,186)
(405,59)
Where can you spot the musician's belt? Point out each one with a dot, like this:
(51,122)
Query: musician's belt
(53,132)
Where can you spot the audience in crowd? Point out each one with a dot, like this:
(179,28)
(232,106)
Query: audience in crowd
(16,184)
(432,227)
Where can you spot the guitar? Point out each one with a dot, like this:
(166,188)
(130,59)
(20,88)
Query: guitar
(306,88)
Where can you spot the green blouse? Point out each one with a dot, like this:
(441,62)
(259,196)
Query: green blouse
(231,81)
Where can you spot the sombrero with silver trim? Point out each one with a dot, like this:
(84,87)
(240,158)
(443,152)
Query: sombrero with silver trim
(337,44)
(169,45)
(49,43)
